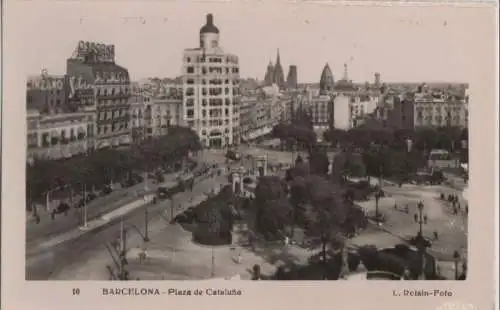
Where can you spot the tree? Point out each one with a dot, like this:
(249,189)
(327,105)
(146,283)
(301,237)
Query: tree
(325,214)
(273,210)
(336,137)
(318,161)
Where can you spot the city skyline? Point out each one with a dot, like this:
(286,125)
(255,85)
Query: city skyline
(319,36)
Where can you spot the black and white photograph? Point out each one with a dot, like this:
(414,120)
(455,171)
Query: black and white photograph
(217,142)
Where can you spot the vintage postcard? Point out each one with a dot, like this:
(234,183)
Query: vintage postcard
(174,152)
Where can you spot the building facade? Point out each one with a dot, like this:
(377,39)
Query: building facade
(59,135)
(256,115)
(94,64)
(47,93)
(210,84)
(342,117)
(440,111)
(165,112)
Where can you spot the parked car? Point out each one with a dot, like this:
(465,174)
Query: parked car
(106,190)
(163,192)
(91,196)
(417,240)
(233,155)
(61,208)
(128,183)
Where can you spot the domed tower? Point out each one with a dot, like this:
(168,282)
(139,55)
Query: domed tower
(209,34)
(279,75)
(326,81)
(268,78)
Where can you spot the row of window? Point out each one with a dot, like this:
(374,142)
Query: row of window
(118,91)
(108,115)
(214,82)
(204,131)
(112,102)
(212,91)
(437,109)
(213,70)
(113,127)
(206,59)
(439,118)
(47,139)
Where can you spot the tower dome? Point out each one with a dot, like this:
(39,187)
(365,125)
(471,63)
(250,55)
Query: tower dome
(326,81)
(209,26)
(209,34)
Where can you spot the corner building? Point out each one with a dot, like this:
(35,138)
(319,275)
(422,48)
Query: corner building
(210,85)
(94,63)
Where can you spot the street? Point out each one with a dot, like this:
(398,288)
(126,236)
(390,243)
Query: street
(47,228)
(42,265)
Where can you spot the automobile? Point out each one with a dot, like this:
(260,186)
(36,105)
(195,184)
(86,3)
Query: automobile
(137,178)
(80,203)
(247,180)
(233,155)
(61,208)
(163,192)
(417,240)
(106,190)
(129,182)
(90,197)
(160,178)
(181,218)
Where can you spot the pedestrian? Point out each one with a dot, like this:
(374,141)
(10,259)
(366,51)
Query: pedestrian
(436,236)
(37,219)
(407,209)
(395,206)
(466,209)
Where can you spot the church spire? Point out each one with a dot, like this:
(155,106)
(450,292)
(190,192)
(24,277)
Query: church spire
(346,76)
(278,57)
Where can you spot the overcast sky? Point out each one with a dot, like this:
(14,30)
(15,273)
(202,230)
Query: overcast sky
(402,43)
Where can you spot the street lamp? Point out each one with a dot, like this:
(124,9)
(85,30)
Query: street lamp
(420,218)
(456,260)
(84,213)
(213,228)
(378,195)
(146,222)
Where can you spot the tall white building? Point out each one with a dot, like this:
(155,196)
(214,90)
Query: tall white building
(210,85)
(342,118)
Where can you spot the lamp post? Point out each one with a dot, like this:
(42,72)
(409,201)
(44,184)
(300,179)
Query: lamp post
(146,222)
(378,195)
(213,228)
(84,213)
(420,218)
(456,260)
